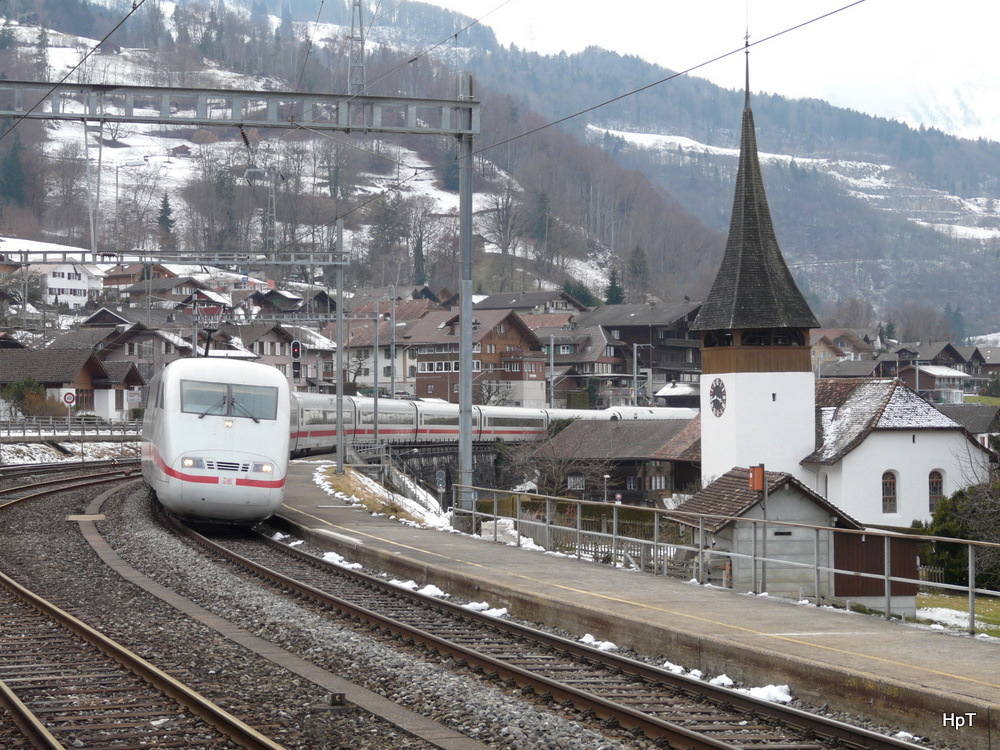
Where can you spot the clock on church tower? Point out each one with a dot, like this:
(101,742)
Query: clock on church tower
(717,397)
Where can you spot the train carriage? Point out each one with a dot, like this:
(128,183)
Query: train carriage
(215,439)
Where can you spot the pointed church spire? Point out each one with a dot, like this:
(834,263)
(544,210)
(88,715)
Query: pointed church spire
(754,288)
(746,90)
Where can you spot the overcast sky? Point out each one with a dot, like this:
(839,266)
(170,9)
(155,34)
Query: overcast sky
(895,58)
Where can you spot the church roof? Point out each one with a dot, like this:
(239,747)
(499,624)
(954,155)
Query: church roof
(754,288)
(849,410)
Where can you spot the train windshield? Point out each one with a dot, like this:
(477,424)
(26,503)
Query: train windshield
(255,402)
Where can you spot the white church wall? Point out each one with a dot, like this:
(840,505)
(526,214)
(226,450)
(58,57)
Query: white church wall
(855,484)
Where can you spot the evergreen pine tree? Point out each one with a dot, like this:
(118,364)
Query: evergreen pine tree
(165,225)
(613,293)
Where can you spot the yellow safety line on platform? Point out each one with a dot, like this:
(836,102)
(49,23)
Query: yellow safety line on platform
(661,609)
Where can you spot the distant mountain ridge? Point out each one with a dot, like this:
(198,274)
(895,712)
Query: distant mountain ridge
(864,207)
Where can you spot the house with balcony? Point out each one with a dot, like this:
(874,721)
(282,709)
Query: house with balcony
(165,292)
(97,388)
(656,341)
(620,461)
(508,366)
(935,383)
(581,357)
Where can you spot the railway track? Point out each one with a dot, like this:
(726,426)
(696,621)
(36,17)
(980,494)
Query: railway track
(17,471)
(80,479)
(66,685)
(619,691)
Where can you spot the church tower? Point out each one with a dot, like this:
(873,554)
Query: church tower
(757,387)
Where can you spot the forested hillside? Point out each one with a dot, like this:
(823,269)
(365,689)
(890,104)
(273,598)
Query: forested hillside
(863,207)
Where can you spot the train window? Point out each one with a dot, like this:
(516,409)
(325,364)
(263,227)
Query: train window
(221,399)
(448,419)
(517,422)
(254,401)
(203,398)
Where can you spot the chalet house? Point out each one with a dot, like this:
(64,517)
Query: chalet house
(991,360)
(850,343)
(935,383)
(942,354)
(581,354)
(274,302)
(508,366)
(205,302)
(974,367)
(885,455)
(122,276)
(656,340)
(317,302)
(98,389)
(166,292)
(626,452)
(70,283)
(533,303)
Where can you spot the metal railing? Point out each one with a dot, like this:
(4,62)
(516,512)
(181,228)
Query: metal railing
(61,427)
(667,542)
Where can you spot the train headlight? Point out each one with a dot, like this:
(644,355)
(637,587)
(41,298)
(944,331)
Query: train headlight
(228,423)
(193,463)
(263,468)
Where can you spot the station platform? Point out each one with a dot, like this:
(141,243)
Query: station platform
(932,684)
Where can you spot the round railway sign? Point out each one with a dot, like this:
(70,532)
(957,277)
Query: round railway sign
(618,496)
(69,398)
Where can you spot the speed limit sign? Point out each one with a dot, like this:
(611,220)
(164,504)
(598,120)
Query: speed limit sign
(69,397)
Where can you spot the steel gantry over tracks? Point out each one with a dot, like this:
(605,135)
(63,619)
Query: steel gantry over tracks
(238,108)
(459,118)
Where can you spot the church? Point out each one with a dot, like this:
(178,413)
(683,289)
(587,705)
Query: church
(871,447)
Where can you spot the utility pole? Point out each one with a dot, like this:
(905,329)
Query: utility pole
(465,467)
(339,376)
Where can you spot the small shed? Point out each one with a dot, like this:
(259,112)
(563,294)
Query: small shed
(719,507)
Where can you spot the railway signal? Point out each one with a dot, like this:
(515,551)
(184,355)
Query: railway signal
(296,350)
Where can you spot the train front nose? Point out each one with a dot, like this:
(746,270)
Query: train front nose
(230,488)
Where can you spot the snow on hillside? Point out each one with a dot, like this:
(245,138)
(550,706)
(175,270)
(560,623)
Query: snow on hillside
(882,186)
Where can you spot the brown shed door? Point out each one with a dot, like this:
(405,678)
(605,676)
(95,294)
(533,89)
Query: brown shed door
(866,554)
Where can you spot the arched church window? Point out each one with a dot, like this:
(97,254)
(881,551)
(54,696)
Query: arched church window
(935,488)
(889,492)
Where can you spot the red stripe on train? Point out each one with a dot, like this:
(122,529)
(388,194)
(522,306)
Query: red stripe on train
(201,479)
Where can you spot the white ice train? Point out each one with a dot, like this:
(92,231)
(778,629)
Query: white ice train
(215,439)
(314,421)
(217,433)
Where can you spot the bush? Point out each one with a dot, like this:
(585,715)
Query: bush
(973,514)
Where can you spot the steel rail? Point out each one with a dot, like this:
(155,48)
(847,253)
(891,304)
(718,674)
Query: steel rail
(224,722)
